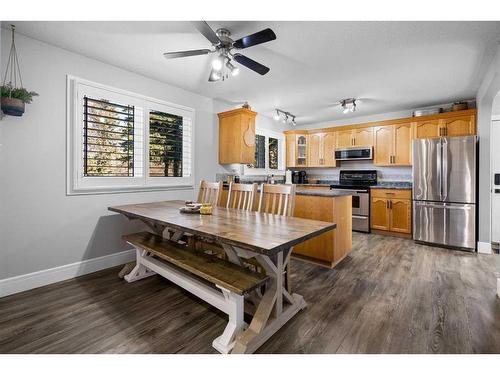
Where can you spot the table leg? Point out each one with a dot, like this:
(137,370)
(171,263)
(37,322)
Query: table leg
(271,313)
(132,267)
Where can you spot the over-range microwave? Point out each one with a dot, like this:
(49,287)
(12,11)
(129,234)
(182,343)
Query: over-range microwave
(354,153)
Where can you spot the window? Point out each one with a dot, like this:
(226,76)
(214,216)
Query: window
(269,154)
(260,151)
(110,149)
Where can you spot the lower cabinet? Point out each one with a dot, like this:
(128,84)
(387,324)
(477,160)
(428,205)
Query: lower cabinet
(391,210)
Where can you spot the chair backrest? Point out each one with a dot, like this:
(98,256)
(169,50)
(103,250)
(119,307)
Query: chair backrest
(277,199)
(210,192)
(241,196)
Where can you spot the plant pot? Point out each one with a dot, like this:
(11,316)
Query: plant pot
(12,106)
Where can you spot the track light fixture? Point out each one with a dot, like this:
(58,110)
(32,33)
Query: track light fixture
(286,117)
(348,105)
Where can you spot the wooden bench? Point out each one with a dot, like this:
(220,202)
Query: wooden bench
(192,270)
(215,270)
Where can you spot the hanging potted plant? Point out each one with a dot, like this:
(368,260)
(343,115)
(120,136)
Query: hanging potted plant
(14,97)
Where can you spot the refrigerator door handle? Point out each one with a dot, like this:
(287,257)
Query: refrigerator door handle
(440,168)
(444,163)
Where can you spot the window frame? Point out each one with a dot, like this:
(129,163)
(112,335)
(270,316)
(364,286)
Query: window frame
(77,183)
(250,171)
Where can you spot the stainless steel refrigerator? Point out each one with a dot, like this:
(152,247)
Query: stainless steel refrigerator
(444,191)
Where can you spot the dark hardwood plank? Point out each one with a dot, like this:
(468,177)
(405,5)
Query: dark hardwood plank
(388,296)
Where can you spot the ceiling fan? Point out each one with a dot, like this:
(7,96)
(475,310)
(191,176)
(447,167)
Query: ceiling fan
(223,46)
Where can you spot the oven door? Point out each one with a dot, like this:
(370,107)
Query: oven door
(360,201)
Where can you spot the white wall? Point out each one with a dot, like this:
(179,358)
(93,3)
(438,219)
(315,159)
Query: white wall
(40,226)
(489,88)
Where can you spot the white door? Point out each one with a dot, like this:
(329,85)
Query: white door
(495,167)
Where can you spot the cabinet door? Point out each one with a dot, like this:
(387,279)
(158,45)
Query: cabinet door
(301,159)
(427,129)
(400,215)
(459,126)
(315,150)
(247,151)
(380,214)
(290,150)
(402,144)
(343,138)
(329,150)
(383,145)
(363,137)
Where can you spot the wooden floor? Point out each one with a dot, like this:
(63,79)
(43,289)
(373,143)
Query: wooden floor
(389,296)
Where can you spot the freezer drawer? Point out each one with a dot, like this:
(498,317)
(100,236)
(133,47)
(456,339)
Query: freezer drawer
(447,224)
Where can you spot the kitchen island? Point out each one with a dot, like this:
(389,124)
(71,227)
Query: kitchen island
(329,248)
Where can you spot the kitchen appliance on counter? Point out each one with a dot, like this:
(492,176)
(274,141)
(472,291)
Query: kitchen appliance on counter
(299,177)
(444,191)
(354,153)
(358,183)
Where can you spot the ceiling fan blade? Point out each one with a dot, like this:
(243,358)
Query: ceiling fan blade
(194,52)
(207,31)
(251,64)
(260,37)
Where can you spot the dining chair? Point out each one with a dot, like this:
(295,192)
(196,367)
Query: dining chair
(279,200)
(210,192)
(241,196)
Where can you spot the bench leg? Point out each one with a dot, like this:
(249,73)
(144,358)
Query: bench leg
(225,342)
(139,271)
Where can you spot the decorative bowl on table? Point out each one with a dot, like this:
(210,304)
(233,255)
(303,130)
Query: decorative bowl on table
(191,208)
(206,209)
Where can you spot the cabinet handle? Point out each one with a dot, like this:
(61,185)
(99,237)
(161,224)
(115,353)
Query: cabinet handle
(390,204)
(387,204)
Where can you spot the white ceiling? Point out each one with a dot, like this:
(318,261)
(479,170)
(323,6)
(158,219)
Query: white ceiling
(392,66)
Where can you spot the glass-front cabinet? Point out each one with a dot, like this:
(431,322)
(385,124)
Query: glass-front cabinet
(301,150)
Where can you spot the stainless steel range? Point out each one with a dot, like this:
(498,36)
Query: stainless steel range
(358,183)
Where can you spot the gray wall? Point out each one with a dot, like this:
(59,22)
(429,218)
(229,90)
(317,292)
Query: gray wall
(40,226)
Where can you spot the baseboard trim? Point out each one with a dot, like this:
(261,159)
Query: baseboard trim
(37,279)
(484,248)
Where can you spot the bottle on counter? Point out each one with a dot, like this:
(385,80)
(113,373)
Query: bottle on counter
(288,176)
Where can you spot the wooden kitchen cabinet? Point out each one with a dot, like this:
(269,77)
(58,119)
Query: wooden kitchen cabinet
(363,137)
(237,136)
(343,138)
(392,145)
(391,210)
(297,149)
(450,124)
(321,150)
(459,126)
(354,137)
(427,129)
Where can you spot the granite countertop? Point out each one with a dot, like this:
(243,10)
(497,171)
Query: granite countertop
(322,193)
(393,185)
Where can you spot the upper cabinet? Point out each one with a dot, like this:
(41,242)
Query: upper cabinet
(321,150)
(392,145)
(459,126)
(237,136)
(296,149)
(354,137)
(452,124)
(391,139)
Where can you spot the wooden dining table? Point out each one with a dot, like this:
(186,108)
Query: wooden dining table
(268,239)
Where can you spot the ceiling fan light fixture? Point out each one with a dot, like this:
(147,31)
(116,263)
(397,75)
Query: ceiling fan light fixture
(216,75)
(233,69)
(217,63)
